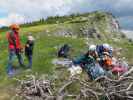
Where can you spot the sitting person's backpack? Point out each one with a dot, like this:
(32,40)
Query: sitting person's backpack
(64,51)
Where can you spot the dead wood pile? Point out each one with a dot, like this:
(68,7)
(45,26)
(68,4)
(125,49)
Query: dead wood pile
(103,88)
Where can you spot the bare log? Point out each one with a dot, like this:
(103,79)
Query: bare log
(127,73)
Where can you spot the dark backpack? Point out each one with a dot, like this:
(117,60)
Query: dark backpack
(63,51)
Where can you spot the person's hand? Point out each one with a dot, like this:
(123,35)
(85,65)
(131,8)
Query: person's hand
(105,57)
(22,50)
(27,45)
(98,59)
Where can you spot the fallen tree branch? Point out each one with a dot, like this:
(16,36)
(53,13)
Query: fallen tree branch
(127,73)
(102,86)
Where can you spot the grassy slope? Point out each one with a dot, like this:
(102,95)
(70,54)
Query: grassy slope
(44,52)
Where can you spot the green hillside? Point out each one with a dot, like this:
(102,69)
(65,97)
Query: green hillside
(48,38)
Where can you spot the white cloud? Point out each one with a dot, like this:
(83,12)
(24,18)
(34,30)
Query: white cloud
(43,8)
(32,9)
(12,18)
(35,9)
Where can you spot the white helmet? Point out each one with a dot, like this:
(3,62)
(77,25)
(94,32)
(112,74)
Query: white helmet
(31,38)
(106,46)
(92,47)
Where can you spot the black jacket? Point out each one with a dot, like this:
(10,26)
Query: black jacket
(29,48)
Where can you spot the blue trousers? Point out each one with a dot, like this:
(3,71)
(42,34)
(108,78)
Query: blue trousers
(29,57)
(12,54)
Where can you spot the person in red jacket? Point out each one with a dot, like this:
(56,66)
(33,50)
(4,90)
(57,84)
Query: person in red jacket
(14,47)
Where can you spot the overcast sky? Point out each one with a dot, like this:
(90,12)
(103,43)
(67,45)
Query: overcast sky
(20,11)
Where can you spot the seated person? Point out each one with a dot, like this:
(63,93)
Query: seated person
(88,58)
(106,61)
(101,49)
(89,64)
(119,66)
(104,48)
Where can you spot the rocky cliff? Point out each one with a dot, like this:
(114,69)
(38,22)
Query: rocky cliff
(92,25)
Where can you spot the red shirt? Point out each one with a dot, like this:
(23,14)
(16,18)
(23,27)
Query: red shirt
(10,41)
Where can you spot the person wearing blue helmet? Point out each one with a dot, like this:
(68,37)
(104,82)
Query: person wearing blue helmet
(104,48)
